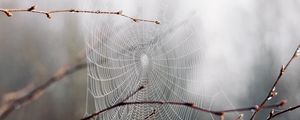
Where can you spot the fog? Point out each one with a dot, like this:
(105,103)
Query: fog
(242,45)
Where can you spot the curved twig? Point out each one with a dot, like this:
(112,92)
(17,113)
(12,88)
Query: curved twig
(28,97)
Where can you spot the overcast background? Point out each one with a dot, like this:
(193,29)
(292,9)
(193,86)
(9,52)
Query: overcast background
(243,43)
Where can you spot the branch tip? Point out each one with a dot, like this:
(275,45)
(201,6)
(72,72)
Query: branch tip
(157,22)
(282,102)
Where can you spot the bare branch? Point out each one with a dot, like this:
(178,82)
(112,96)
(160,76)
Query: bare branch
(33,9)
(272,92)
(27,97)
(284,111)
(186,104)
(114,106)
(152,113)
(24,96)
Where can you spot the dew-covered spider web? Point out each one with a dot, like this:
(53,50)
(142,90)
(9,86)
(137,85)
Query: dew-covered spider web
(123,55)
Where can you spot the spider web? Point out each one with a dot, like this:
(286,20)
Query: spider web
(122,56)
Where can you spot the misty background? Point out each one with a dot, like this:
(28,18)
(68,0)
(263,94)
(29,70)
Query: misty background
(243,45)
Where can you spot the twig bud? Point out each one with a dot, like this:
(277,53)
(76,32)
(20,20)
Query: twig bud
(142,87)
(134,20)
(8,14)
(282,102)
(120,12)
(31,8)
(269,98)
(240,117)
(273,93)
(72,10)
(157,22)
(282,69)
(274,89)
(48,15)
(257,107)
(297,54)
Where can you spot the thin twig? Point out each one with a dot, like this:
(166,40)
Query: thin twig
(32,9)
(113,106)
(280,104)
(150,102)
(240,117)
(132,94)
(186,104)
(284,111)
(33,95)
(272,92)
(150,115)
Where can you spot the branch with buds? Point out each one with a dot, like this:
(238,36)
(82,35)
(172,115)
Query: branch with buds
(220,113)
(33,9)
(273,114)
(27,97)
(272,91)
